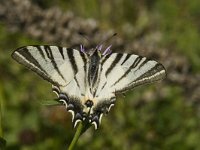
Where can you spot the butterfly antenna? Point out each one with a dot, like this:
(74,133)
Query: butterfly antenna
(84,36)
(107,39)
(99,46)
(107,50)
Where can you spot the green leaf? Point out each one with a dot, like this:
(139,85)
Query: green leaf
(2,143)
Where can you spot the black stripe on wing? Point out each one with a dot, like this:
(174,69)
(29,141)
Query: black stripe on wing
(143,63)
(48,50)
(84,60)
(30,62)
(134,65)
(28,56)
(100,89)
(156,69)
(40,51)
(61,51)
(126,58)
(75,79)
(105,59)
(70,54)
(147,77)
(83,56)
(114,63)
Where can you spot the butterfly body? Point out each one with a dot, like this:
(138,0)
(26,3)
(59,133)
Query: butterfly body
(88,104)
(87,82)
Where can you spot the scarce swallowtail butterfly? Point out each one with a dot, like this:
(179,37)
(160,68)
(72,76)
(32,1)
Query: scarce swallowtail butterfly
(87,82)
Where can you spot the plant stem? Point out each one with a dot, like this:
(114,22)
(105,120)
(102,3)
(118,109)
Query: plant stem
(1,113)
(1,130)
(79,131)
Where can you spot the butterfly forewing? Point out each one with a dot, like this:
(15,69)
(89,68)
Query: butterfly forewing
(56,64)
(125,71)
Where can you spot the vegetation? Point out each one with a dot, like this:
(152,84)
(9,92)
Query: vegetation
(159,116)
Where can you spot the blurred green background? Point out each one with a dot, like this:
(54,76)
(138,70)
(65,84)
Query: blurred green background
(163,115)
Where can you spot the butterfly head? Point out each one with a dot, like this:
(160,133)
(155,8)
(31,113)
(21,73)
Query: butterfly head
(98,49)
(106,51)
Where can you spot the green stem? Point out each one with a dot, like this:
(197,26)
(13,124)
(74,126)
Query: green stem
(79,131)
(1,130)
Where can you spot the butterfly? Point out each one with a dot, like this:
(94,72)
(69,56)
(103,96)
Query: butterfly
(87,82)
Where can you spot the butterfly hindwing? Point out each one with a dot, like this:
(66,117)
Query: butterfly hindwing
(56,64)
